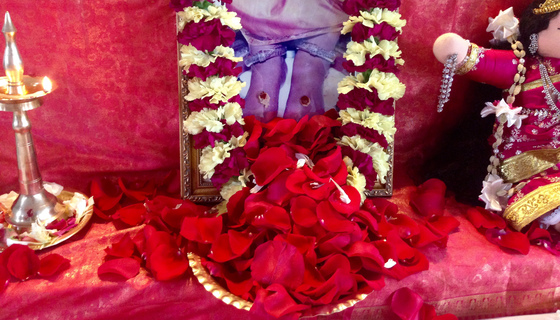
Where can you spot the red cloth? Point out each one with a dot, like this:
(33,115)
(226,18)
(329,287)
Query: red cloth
(116,111)
(472,277)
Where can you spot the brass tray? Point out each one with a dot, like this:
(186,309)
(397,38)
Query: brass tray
(88,213)
(227,297)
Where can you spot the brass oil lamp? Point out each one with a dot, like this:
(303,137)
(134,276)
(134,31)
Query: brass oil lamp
(19,94)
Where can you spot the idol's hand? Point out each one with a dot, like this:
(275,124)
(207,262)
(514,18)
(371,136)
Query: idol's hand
(448,44)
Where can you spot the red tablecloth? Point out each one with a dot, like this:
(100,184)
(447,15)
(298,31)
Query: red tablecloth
(471,278)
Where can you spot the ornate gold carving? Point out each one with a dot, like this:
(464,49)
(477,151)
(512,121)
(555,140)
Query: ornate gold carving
(533,205)
(529,163)
(470,61)
(538,83)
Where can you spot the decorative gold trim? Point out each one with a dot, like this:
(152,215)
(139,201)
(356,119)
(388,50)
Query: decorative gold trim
(538,83)
(533,205)
(529,163)
(227,297)
(547,7)
(470,61)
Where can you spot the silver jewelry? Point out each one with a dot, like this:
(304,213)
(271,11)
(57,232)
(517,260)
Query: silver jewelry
(447,81)
(534,46)
(550,92)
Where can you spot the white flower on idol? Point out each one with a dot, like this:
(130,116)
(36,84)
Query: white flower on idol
(512,114)
(494,192)
(503,26)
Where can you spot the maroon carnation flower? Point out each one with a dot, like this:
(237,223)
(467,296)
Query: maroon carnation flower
(222,67)
(206,138)
(206,35)
(353,129)
(375,62)
(361,99)
(230,167)
(364,163)
(383,31)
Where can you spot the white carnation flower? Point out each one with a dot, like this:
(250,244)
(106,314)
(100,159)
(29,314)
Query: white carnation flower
(512,114)
(503,26)
(495,193)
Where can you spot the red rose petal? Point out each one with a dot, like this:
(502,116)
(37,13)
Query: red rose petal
(52,264)
(132,215)
(303,211)
(333,263)
(271,163)
(221,249)
(280,303)
(23,263)
(4,278)
(240,241)
(140,192)
(278,262)
(429,198)
(103,200)
(167,262)
(204,230)
(516,241)
(124,248)
(274,218)
(341,282)
(482,218)
(277,191)
(332,220)
(346,208)
(240,287)
(126,267)
(406,304)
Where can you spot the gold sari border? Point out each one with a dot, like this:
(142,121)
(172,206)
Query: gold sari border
(538,83)
(470,60)
(528,164)
(532,206)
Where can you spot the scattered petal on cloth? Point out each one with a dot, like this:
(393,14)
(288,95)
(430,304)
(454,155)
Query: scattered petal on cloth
(429,198)
(22,262)
(408,305)
(482,218)
(52,264)
(507,239)
(122,249)
(132,215)
(125,267)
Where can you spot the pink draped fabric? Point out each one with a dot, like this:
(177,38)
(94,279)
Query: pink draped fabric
(116,112)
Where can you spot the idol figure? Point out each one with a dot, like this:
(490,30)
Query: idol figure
(524,174)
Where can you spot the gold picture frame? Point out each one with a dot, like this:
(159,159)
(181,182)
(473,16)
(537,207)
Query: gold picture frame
(195,188)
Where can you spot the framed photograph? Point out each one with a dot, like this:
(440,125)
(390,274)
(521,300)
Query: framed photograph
(293,62)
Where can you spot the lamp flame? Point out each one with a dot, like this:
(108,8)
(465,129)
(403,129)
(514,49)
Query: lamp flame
(47,84)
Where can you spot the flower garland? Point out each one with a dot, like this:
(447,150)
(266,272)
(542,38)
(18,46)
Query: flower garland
(206,30)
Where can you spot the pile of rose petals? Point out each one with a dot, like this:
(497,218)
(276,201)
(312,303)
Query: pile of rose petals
(287,248)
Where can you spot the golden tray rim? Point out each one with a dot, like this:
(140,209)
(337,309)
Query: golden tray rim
(88,213)
(219,292)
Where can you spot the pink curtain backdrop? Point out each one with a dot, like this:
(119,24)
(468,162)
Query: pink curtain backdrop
(115,112)
(116,108)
